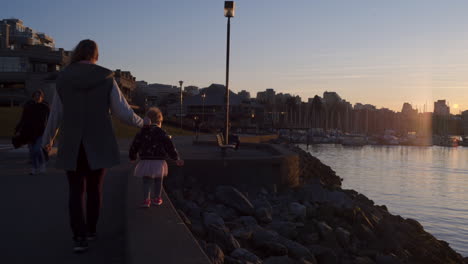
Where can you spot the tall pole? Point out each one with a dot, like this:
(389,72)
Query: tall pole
(181,82)
(226,127)
(203,109)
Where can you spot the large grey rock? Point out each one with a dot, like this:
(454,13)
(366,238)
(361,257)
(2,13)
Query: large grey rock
(315,192)
(244,254)
(231,260)
(213,220)
(273,249)
(192,210)
(298,211)
(325,231)
(223,238)
(198,229)
(297,250)
(310,238)
(279,260)
(231,197)
(214,253)
(242,233)
(387,259)
(261,236)
(263,215)
(223,211)
(363,260)
(284,228)
(343,236)
(248,221)
(323,254)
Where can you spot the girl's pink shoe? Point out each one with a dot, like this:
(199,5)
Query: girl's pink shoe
(146,203)
(157,201)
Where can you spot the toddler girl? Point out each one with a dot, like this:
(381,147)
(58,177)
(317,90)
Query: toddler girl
(153,146)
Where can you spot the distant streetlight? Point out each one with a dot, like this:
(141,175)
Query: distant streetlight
(181,98)
(203,96)
(229,11)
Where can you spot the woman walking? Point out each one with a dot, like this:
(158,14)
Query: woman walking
(31,127)
(87,146)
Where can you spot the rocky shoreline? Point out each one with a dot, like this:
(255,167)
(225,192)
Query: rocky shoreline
(317,222)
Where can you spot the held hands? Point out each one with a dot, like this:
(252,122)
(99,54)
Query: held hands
(48,147)
(180,163)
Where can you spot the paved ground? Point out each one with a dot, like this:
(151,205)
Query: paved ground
(34,218)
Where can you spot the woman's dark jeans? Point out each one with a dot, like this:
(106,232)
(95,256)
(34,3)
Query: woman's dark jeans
(84,180)
(35,153)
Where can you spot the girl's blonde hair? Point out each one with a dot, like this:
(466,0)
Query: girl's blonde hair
(155,115)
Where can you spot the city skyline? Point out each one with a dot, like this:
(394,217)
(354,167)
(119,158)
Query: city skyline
(377,53)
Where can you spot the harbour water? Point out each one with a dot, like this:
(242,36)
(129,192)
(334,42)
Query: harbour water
(429,184)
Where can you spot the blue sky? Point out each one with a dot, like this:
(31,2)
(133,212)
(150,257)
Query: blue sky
(379,52)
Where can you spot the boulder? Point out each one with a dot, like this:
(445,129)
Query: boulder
(324,254)
(198,229)
(244,254)
(214,253)
(231,197)
(247,221)
(192,210)
(273,249)
(325,231)
(263,215)
(296,250)
(387,259)
(223,211)
(363,260)
(261,236)
(284,228)
(298,211)
(279,260)
(213,220)
(231,260)
(315,192)
(242,233)
(343,236)
(223,238)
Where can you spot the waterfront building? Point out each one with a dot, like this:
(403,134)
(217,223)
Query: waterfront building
(156,94)
(127,84)
(464,122)
(244,95)
(28,61)
(266,97)
(191,90)
(331,98)
(441,108)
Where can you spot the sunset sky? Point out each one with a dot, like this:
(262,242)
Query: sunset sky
(378,52)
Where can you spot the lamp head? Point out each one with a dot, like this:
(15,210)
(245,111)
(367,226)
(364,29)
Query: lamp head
(229,8)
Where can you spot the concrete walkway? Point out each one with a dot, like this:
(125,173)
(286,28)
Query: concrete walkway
(34,217)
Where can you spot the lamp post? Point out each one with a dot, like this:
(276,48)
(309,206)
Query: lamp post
(229,10)
(181,82)
(203,96)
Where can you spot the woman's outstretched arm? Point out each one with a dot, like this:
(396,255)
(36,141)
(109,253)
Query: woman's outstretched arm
(53,122)
(121,109)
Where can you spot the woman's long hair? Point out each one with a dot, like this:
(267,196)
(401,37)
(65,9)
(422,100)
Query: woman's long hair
(85,50)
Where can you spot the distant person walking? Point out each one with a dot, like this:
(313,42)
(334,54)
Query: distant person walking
(153,146)
(87,146)
(31,128)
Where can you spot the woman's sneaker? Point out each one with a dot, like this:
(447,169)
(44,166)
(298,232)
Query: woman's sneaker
(91,237)
(146,203)
(157,201)
(80,245)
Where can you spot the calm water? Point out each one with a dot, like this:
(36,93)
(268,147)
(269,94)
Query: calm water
(429,184)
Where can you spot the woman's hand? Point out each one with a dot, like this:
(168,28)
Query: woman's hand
(48,147)
(179,163)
